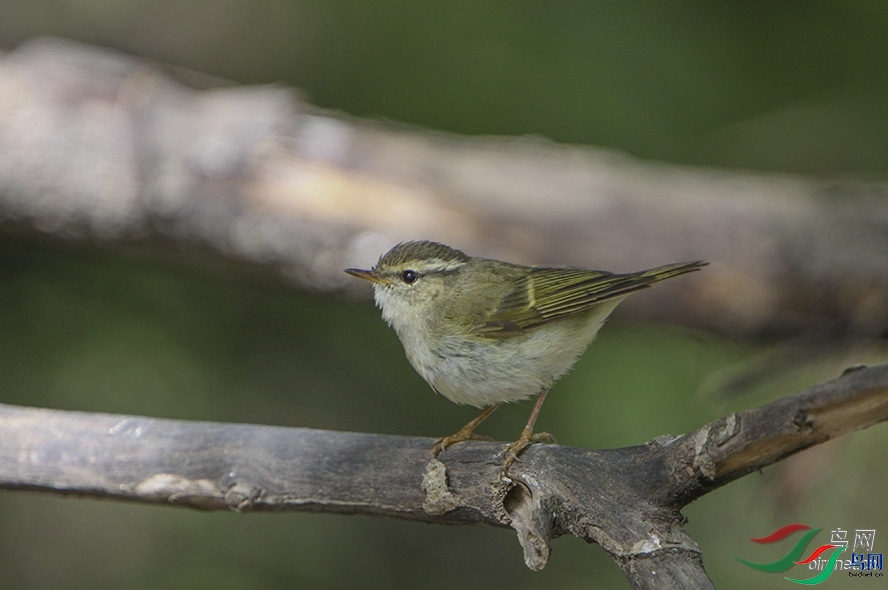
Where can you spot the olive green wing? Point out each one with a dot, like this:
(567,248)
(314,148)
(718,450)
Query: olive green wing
(548,294)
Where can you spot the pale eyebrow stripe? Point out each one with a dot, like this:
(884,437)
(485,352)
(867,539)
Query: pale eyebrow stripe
(438,265)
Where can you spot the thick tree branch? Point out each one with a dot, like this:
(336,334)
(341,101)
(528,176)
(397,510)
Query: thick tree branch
(103,146)
(627,500)
(740,443)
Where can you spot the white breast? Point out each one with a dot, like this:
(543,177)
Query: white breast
(485,372)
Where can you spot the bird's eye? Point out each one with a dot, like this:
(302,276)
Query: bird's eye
(409,276)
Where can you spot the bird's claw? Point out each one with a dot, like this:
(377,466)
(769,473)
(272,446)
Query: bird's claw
(445,441)
(525,440)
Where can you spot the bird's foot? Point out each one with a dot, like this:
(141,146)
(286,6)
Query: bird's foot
(467,432)
(460,436)
(525,440)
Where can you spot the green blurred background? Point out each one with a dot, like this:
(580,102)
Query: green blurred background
(789,86)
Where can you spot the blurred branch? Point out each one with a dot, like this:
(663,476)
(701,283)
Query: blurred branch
(627,500)
(103,147)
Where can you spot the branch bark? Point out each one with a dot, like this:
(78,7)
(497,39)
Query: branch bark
(104,147)
(627,500)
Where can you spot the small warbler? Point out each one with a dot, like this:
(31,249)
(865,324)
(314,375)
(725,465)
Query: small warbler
(483,332)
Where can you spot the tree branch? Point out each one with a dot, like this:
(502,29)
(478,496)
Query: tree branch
(104,147)
(627,500)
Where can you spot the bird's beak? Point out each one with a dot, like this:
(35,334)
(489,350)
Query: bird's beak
(367,275)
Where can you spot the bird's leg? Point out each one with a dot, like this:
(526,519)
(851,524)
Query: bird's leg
(467,432)
(527,435)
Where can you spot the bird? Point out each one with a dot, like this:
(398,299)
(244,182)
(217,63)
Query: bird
(484,332)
